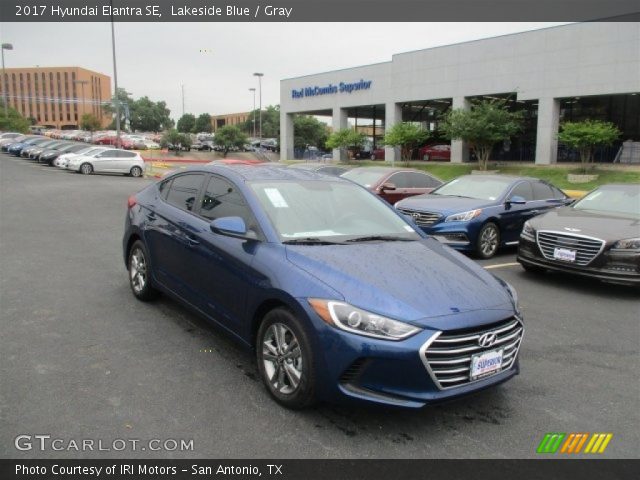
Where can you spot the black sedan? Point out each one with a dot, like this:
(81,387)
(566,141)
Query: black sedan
(598,237)
(480,213)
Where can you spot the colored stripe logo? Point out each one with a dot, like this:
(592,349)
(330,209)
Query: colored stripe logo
(573,443)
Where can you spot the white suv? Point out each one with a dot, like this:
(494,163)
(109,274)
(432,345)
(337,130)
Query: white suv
(113,160)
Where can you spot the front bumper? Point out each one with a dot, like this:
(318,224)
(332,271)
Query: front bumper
(354,369)
(458,235)
(608,266)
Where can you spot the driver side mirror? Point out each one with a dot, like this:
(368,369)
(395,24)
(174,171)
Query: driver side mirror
(387,186)
(232,227)
(516,200)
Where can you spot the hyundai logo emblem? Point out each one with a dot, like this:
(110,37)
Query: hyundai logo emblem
(415,216)
(487,339)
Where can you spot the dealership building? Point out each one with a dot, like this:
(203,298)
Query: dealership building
(566,73)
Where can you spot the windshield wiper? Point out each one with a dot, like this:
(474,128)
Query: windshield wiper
(380,238)
(310,241)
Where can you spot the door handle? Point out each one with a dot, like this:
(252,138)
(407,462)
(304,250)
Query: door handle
(192,241)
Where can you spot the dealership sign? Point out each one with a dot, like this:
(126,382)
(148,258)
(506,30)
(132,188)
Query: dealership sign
(331,89)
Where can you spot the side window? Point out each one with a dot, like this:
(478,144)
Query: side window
(164,188)
(421,180)
(400,180)
(523,189)
(184,190)
(123,154)
(222,199)
(557,193)
(542,191)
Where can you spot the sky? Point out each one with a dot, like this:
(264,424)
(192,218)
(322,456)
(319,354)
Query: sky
(215,61)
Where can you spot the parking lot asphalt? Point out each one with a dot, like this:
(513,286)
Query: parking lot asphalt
(80,358)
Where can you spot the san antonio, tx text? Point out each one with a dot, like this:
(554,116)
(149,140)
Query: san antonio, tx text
(143,469)
(152,11)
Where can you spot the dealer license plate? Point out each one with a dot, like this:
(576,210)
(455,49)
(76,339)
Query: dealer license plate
(486,363)
(564,254)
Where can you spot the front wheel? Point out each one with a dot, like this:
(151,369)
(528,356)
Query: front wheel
(86,169)
(136,171)
(488,240)
(285,359)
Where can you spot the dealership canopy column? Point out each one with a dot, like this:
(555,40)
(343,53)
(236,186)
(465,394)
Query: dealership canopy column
(460,149)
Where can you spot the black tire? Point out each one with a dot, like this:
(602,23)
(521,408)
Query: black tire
(136,171)
(533,269)
(145,292)
(488,240)
(86,169)
(303,395)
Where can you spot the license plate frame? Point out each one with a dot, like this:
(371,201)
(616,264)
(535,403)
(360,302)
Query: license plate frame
(477,372)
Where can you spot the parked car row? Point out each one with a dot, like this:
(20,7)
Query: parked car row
(74,156)
(147,141)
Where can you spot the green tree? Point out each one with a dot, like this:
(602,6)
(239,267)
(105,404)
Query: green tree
(150,116)
(585,135)
(483,125)
(175,138)
(347,138)
(203,123)
(230,136)
(270,122)
(407,136)
(12,121)
(186,123)
(124,100)
(309,131)
(90,122)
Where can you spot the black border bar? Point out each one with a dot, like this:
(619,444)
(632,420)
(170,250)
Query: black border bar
(317,10)
(543,469)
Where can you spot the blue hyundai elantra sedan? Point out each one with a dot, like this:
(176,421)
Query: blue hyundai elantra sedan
(340,297)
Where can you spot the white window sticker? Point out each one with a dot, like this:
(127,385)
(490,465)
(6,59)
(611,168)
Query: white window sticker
(275,197)
(408,228)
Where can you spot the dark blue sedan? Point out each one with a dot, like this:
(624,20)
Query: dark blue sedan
(338,295)
(481,213)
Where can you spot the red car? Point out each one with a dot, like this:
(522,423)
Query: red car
(393,184)
(105,140)
(377,154)
(436,152)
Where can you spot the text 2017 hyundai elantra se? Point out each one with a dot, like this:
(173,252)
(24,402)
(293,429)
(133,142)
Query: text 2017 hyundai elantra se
(340,297)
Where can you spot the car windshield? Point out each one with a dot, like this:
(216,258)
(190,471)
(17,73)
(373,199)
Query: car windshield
(330,211)
(478,187)
(85,150)
(623,200)
(365,177)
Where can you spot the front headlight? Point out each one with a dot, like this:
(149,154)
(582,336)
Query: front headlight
(528,232)
(464,216)
(627,244)
(355,320)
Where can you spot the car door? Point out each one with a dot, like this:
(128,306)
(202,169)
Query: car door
(515,214)
(170,234)
(124,161)
(222,265)
(547,197)
(105,161)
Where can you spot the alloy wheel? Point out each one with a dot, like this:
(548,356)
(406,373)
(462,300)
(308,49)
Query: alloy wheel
(282,358)
(489,241)
(138,270)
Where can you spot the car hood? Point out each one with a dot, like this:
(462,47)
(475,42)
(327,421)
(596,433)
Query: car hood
(443,204)
(409,281)
(588,222)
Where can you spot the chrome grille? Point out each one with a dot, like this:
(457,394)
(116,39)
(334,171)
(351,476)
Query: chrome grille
(423,219)
(586,248)
(447,355)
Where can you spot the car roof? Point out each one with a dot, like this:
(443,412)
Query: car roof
(260,172)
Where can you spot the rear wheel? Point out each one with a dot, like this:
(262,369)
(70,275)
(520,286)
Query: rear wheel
(139,273)
(285,359)
(136,171)
(426,157)
(488,240)
(86,169)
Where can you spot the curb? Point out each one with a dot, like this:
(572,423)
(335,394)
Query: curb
(576,193)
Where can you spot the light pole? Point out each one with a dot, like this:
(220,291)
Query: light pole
(82,83)
(260,75)
(115,77)
(5,82)
(182,87)
(254,111)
